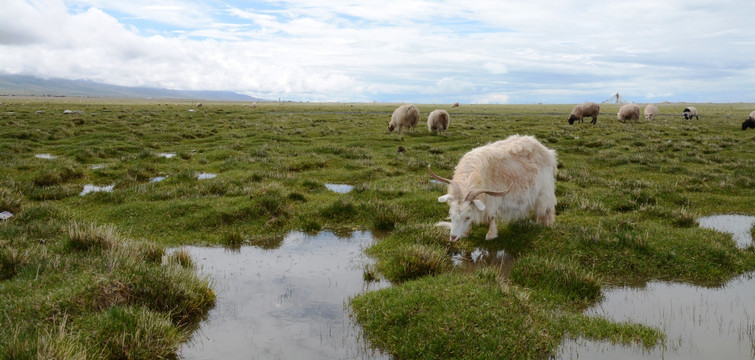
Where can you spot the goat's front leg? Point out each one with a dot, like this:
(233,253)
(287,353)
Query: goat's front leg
(492,231)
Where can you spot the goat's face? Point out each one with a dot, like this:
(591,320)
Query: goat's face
(390,127)
(461,214)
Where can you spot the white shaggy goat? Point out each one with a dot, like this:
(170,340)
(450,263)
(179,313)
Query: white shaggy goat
(629,112)
(588,109)
(651,111)
(689,112)
(438,120)
(506,180)
(405,115)
(750,122)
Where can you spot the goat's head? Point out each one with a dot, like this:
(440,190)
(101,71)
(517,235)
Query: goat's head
(462,204)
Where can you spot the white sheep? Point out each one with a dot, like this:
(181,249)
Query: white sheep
(405,115)
(689,112)
(438,120)
(588,109)
(629,112)
(750,122)
(505,181)
(651,111)
(455,105)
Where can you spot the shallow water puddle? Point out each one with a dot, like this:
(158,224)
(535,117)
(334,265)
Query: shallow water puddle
(339,188)
(157,179)
(739,226)
(478,257)
(205,176)
(166,155)
(97,166)
(284,303)
(92,188)
(699,322)
(45,156)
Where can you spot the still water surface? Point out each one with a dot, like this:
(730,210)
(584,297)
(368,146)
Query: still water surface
(699,322)
(289,302)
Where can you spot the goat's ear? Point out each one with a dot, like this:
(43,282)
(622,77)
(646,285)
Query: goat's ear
(444,198)
(480,205)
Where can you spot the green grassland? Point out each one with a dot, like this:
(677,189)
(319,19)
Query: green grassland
(74,269)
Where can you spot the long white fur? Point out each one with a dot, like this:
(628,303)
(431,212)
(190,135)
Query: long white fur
(405,115)
(519,163)
(629,111)
(438,120)
(651,111)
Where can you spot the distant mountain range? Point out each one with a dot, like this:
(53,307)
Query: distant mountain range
(23,85)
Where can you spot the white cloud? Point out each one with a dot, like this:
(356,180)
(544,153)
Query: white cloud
(415,50)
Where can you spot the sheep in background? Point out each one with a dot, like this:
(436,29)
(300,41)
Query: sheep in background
(455,105)
(750,122)
(629,112)
(438,120)
(405,115)
(506,180)
(689,112)
(651,111)
(588,109)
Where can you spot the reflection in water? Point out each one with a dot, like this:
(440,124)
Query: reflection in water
(205,176)
(339,188)
(45,156)
(157,179)
(739,226)
(286,303)
(166,155)
(480,256)
(92,188)
(700,323)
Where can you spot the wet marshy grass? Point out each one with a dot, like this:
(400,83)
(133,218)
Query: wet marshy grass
(629,196)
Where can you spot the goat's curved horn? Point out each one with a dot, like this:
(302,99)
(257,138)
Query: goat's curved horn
(447,181)
(473,194)
(456,187)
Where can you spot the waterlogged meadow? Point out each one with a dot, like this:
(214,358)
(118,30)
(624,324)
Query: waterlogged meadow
(78,266)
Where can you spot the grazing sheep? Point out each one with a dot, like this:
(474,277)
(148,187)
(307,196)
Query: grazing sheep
(199,105)
(506,180)
(629,112)
(438,120)
(455,105)
(750,122)
(651,111)
(588,109)
(405,115)
(689,112)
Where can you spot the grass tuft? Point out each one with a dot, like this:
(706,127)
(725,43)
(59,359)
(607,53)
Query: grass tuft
(91,237)
(561,279)
(182,258)
(411,261)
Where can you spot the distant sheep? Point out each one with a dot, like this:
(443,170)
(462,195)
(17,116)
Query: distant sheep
(588,109)
(438,120)
(199,105)
(651,111)
(506,180)
(629,112)
(750,122)
(689,112)
(406,115)
(455,105)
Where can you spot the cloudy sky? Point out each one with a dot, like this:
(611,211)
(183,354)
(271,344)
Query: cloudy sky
(472,51)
